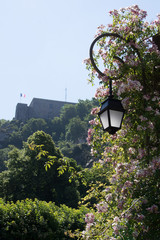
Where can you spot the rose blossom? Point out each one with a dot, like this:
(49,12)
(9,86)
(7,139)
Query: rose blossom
(89,218)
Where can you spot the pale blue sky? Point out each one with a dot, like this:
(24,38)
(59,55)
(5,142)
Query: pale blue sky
(43,44)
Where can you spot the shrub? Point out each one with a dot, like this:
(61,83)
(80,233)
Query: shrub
(31,220)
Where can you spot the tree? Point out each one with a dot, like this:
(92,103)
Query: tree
(2,122)
(4,157)
(129,206)
(58,129)
(26,176)
(80,152)
(76,130)
(67,112)
(83,108)
(33,125)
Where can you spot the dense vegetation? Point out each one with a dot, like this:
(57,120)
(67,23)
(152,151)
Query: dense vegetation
(129,208)
(33,167)
(30,220)
(120,194)
(68,131)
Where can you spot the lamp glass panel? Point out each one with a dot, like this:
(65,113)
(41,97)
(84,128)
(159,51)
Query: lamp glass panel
(104,119)
(116,118)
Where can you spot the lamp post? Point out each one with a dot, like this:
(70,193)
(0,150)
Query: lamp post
(112,112)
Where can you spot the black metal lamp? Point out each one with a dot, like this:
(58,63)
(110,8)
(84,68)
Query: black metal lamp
(112,112)
(111,115)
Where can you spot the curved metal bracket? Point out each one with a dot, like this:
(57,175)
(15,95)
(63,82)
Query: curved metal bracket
(91,51)
(116,57)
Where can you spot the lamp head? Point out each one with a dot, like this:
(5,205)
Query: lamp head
(111,115)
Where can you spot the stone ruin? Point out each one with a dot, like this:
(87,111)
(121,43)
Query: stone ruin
(39,108)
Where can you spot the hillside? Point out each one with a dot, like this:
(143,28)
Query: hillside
(68,130)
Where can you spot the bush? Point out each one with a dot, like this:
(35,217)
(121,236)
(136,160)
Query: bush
(37,220)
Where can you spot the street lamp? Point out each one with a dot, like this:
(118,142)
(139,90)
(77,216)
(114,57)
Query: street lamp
(111,115)
(112,112)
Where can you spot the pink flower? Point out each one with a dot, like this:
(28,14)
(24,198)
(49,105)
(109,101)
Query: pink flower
(108,159)
(153,209)
(127,184)
(101,92)
(120,204)
(131,150)
(140,174)
(146,97)
(145,201)
(141,153)
(102,207)
(95,111)
(131,85)
(155,164)
(128,215)
(139,128)
(107,149)
(87,61)
(157,112)
(116,227)
(114,12)
(115,148)
(89,138)
(101,26)
(110,25)
(143,118)
(107,189)
(105,78)
(125,102)
(116,219)
(135,234)
(89,218)
(140,217)
(113,179)
(88,226)
(94,122)
(101,161)
(150,125)
(149,108)
(109,197)
(154,99)
(93,152)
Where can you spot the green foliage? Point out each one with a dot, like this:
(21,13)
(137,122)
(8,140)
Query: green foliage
(67,112)
(76,130)
(41,141)
(39,220)
(32,126)
(71,125)
(26,176)
(128,203)
(80,152)
(95,179)
(83,108)
(2,122)
(16,138)
(58,129)
(6,129)
(4,157)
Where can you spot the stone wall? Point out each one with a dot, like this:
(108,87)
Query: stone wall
(39,108)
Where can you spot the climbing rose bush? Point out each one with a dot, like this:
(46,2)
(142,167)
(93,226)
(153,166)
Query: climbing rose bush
(129,207)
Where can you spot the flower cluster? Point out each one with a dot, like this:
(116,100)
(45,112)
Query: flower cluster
(153,209)
(130,85)
(89,138)
(102,207)
(89,218)
(128,208)
(101,92)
